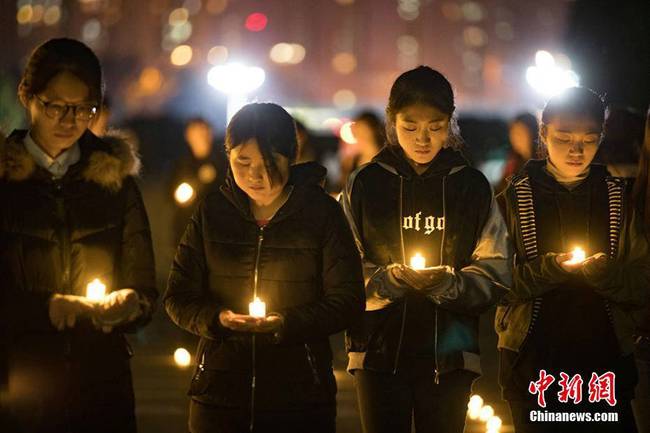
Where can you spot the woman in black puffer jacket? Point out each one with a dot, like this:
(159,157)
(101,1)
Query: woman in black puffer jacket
(273,233)
(71,212)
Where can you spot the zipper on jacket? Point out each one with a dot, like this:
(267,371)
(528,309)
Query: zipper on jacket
(260,238)
(312,363)
(401,237)
(64,235)
(442,249)
(200,368)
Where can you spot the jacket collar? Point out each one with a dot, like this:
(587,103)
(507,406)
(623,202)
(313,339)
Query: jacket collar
(305,180)
(106,161)
(447,161)
(536,170)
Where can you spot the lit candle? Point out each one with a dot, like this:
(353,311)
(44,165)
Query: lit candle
(418,262)
(257,308)
(578,255)
(184,193)
(95,290)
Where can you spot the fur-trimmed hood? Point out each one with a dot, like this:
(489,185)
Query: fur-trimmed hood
(106,161)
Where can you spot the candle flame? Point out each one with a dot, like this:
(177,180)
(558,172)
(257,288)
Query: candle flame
(578,255)
(257,308)
(95,290)
(418,262)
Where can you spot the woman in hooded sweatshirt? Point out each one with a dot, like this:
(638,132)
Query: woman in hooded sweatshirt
(71,214)
(270,233)
(414,353)
(571,312)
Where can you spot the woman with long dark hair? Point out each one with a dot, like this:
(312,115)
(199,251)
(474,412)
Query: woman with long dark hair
(271,235)
(76,258)
(580,282)
(435,255)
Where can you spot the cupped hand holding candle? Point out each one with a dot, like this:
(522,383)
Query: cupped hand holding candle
(255,321)
(577,259)
(117,308)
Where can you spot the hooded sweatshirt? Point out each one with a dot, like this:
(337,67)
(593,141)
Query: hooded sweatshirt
(447,214)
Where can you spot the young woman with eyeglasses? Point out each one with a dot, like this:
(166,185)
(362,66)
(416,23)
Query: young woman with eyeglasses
(72,220)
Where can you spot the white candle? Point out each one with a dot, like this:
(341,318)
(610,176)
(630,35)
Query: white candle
(578,255)
(418,262)
(257,308)
(95,290)
(184,193)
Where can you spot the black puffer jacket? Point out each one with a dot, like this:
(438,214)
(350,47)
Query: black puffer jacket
(448,215)
(308,270)
(55,237)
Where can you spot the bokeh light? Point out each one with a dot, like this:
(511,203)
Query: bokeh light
(494,424)
(344,99)
(549,78)
(37,13)
(182,357)
(52,15)
(181,55)
(150,80)
(344,63)
(215,7)
(218,55)
(24,14)
(472,11)
(235,78)
(178,16)
(287,53)
(474,406)
(184,193)
(91,30)
(192,6)
(346,133)
(256,22)
(487,412)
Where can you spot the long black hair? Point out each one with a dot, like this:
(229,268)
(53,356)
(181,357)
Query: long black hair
(271,126)
(61,55)
(426,86)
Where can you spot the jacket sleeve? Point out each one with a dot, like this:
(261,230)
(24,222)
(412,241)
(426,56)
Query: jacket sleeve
(136,265)
(530,278)
(342,282)
(626,281)
(476,287)
(187,300)
(381,289)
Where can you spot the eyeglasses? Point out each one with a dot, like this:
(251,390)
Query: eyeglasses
(83,112)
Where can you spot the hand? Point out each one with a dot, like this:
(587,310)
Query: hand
(118,307)
(589,264)
(566,263)
(64,310)
(421,279)
(596,266)
(271,323)
(246,323)
(238,322)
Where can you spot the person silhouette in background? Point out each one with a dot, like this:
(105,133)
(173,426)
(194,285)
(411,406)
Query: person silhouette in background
(195,174)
